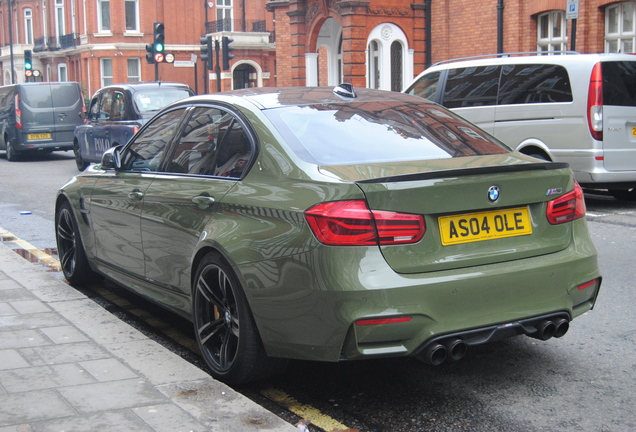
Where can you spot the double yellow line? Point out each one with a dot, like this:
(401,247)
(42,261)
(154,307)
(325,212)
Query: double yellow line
(42,256)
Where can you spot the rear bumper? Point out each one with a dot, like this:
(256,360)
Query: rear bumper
(311,310)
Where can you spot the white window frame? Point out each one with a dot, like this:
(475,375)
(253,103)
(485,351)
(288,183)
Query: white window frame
(225,12)
(105,64)
(620,38)
(60,25)
(136,77)
(100,19)
(28,26)
(552,41)
(136,25)
(379,62)
(62,72)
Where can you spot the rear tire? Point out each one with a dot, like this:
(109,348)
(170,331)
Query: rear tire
(79,160)
(224,326)
(70,249)
(12,154)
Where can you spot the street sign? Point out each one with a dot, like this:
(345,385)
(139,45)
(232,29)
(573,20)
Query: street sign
(183,63)
(572,9)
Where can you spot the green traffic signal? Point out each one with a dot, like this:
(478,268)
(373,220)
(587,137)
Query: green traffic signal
(28,60)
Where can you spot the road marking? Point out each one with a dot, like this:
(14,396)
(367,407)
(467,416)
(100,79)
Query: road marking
(47,259)
(306,412)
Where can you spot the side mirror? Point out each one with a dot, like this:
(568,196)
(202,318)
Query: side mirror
(111,159)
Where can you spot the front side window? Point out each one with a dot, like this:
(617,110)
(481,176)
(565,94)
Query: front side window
(134,74)
(426,86)
(131,15)
(107,71)
(144,153)
(28,26)
(552,31)
(103,16)
(619,27)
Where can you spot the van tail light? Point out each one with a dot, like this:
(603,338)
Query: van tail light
(567,208)
(595,103)
(351,223)
(18,113)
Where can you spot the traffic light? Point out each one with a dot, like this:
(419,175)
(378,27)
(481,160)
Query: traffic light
(226,48)
(158,42)
(150,55)
(28,60)
(206,52)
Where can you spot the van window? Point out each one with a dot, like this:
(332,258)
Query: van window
(534,83)
(619,83)
(34,97)
(472,86)
(426,87)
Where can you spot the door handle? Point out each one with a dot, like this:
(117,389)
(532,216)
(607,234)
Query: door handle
(136,195)
(203,201)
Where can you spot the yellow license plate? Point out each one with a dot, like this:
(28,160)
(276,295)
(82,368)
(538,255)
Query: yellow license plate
(39,136)
(634,131)
(473,227)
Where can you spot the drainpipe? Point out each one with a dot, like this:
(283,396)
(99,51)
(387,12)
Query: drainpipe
(500,22)
(429,32)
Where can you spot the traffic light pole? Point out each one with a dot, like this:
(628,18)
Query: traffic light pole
(218,66)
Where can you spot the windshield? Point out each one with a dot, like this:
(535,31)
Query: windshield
(149,101)
(370,132)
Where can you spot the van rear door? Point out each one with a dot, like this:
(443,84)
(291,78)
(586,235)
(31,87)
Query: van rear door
(619,115)
(66,100)
(38,122)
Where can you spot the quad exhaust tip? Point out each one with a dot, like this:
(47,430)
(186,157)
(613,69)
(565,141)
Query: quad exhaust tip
(548,329)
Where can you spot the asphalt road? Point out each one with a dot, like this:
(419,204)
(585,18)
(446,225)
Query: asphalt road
(585,381)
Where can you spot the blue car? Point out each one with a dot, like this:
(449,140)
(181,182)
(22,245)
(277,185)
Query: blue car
(117,112)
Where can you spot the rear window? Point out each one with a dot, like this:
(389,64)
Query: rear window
(36,96)
(619,83)
(148,101)
(65,95)
(371,132)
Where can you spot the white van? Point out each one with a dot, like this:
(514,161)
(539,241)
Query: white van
(575,108)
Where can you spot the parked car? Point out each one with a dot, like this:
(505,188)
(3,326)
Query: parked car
(575,108)
(117,112)
(363,224)
(39,117)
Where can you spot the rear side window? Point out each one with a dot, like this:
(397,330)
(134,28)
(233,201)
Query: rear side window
(619,83)
(534,83)
(472,86)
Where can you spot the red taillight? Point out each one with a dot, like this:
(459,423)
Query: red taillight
(377,321)
(588,284)
(351,223)
(569,207)
(595,103)
(18,113)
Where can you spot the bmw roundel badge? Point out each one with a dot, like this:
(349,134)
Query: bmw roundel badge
(493,193)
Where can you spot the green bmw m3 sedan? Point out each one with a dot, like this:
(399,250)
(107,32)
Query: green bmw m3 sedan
(331,224)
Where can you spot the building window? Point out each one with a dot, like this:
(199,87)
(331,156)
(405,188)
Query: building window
(59,18)
(224,15)
(103,16)
(386,59)
(374,65)
(134,74)
(107,71)
(131,15)
(28,26)
(62,72)
(619,27)
(552,31)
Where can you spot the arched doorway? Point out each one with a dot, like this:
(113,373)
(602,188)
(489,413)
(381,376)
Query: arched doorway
(325,66)
(244,76)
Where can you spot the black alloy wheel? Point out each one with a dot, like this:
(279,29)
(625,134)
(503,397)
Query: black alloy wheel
(79,160)
(224,326)
(73,259)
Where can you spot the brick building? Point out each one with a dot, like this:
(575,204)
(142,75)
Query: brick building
(378,44)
